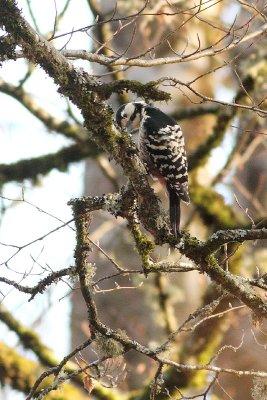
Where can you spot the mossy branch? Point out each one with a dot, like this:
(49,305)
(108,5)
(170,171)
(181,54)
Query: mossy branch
(212,208)
(188,112)
(28,338)
(31,341)
(197,251)
(20,373)
(71,131)
(7,48)
(146,90)
(224,118)
(33,167)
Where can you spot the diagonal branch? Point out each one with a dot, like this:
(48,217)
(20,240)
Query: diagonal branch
(76,85)
(33,167)
(71,131)
(146,63)
(20,373)
(41,286)
(30,340)
(201,253)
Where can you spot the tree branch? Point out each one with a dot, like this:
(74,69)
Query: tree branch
(76,85)
(41,286)
(31,168)
(71,131)
(146,63)
(21,373)
(198,252)
(220,238)
(30,340)
(7,48)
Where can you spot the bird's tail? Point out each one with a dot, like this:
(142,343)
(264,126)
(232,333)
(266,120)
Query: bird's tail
(175,212)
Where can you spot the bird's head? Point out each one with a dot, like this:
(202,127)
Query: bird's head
(129,114)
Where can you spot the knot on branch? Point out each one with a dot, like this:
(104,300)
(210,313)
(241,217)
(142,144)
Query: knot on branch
(109,347)
(7,48)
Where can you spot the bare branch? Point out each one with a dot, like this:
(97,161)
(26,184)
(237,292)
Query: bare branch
(41,286)
(137,62)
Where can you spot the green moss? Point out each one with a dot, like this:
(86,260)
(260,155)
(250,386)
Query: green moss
(21,374)
(144,245)
(203,152)
(29,338)
(199,378)
(7,48)
(212,207)
(148,91)
(107,346)
(90,273)
(191,241)
(31,168)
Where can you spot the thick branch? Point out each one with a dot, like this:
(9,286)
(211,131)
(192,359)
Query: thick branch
(7,48)
(76,84)
(31,168)
(30,340)
(235,236)
(146,90)
(198,252)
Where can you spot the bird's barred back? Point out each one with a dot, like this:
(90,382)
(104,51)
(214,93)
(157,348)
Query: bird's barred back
(164,145)
(167,150)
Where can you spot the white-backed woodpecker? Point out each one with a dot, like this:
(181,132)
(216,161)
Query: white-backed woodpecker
(161,148)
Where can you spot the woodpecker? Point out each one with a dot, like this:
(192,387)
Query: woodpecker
(161,148)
